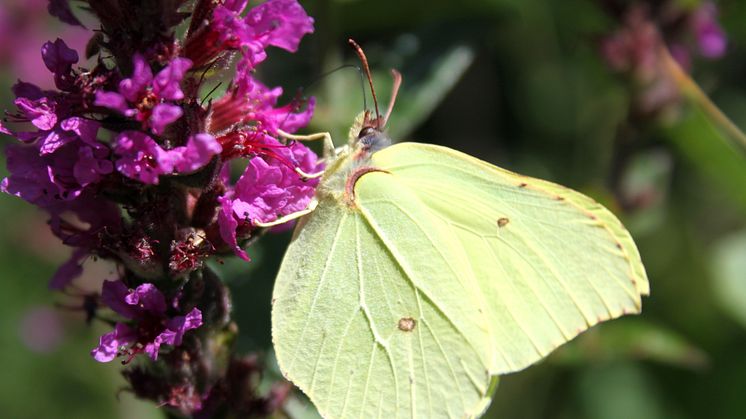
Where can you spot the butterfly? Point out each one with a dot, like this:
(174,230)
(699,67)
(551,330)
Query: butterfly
(420,274)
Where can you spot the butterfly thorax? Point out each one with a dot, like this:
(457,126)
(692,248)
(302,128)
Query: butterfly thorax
(353,161)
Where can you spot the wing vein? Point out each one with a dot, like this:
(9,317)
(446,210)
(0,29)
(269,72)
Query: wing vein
(408,274)
(327,264)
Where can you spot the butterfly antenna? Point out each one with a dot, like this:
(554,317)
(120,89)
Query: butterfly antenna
(364,60)
(294,106)
(207,96)
(300,95)
(394,91)
(343,66)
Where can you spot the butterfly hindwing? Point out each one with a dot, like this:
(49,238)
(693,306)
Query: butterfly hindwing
(364,332)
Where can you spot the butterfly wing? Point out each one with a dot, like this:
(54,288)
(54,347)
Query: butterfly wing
(369,319)
(447,272)
(548,262)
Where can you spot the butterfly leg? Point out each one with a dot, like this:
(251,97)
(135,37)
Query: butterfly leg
(329,150)
(292,216)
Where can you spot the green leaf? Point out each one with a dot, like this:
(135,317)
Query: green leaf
(729,275)
(712,143)
(633,339)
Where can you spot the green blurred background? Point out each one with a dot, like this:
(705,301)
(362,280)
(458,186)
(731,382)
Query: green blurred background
(519,83)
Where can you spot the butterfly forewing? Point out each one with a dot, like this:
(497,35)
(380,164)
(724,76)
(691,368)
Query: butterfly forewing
(548,262)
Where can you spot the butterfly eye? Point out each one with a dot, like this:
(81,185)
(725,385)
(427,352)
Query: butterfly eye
(366,132)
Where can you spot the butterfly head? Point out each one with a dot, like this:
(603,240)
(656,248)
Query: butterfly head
(371,137)
(367,135)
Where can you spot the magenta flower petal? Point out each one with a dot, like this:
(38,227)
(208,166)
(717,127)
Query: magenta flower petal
(140,157)
(27,90)
(252,101)
(284,21)
(200,149)
(85,129)
(54,140)
(267,190)
(152,348)
(711,38)
(92,165)
(142,76)
(41,112)
(110,343)
(281,23)
(29,178)
(166,83)
(228,225)
(69,270)
(227,22)
(146,297)
(181,324)
(59,60)
(288,118)
(712,41)
(58,57)
(111,100)
(4,130)
(146,307)
(113,294)
(164,114)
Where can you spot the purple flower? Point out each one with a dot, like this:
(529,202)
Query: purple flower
(250,101)
(267,190)
(711,38)
(69,270)
(198,151)
(141,158)
(280,23)
(145,97)
(151,326)
(27,90)
(61,174)
(59,59)
(69,130)
(81,222)
(40,112)
(110,344)
(48,112)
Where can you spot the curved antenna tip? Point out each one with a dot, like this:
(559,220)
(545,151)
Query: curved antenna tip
(366,68)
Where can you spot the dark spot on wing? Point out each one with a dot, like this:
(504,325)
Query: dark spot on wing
(407,324)
(523,185)
(502,222)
